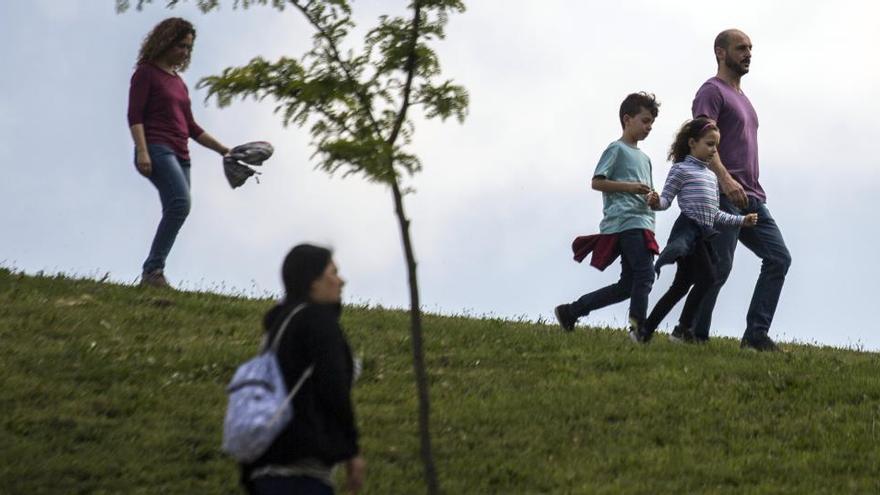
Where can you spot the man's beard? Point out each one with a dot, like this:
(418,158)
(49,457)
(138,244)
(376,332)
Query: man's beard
(735,66)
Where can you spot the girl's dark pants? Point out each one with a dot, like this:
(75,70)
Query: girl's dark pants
(636,279)
(694,270)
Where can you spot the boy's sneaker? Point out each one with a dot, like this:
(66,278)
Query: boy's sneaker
(564,317)
(155,278)
(682,335)
(638,333)
(758,341)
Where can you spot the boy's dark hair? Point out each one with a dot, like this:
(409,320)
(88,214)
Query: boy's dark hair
(635,102)
(692,129)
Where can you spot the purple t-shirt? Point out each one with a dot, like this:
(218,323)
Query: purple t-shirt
(160,101)
(738,123)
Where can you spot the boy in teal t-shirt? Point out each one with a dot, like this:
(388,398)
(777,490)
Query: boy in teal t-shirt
(623,175)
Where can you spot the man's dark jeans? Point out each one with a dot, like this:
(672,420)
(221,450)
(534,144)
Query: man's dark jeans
(765,240)
(636,279)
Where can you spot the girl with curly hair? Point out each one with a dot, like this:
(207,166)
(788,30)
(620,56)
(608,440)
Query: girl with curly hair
(161,121)
(689,244)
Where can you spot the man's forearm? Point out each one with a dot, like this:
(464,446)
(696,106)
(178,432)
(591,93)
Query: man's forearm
(716,166)
(729,186)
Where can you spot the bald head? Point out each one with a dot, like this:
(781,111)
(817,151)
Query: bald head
(725,37)
(733,52)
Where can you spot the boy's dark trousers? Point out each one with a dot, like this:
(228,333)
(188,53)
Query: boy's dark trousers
(697,270)
(636,279)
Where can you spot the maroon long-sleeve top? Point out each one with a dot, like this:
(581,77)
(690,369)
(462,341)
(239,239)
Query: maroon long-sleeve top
(160,101)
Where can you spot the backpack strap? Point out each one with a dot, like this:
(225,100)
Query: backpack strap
(307,373)
(273,345)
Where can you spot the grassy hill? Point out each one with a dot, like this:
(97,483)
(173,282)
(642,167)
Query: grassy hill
(108,389)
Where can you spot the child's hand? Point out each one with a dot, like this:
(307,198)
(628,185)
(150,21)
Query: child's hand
(751,220)
(638,188)
(653,199)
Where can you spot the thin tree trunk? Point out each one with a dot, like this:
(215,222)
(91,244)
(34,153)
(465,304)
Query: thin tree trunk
(415,305)
(415,314)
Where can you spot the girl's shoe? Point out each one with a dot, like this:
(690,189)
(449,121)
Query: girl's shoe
(681,335)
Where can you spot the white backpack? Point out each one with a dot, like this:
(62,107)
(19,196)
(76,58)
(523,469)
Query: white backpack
(259,406)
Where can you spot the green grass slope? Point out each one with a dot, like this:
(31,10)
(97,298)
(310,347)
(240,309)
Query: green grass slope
(108,389)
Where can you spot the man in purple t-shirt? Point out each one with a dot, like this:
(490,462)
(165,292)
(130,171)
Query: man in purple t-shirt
(736,165)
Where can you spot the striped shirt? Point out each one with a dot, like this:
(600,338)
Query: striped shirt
(697,189)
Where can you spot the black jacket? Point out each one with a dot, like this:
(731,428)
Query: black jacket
(683,240)
(323,425)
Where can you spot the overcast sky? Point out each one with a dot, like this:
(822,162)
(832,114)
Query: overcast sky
(501,196)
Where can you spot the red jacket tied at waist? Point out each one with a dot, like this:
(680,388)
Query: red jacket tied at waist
(604,248)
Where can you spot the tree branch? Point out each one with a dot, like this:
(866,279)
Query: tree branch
(337,57)
(410,73)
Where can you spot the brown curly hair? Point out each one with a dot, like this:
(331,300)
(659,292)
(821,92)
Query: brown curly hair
(692,129)
(164,36)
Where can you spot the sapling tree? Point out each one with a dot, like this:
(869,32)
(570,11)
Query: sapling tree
(356,105)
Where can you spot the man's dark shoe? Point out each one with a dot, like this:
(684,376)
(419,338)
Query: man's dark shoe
(564,317)
(758,341)
(682,335)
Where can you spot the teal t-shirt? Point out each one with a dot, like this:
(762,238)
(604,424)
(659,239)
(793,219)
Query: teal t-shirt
(624,211)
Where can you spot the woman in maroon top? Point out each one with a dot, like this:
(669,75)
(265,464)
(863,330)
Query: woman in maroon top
(161,122)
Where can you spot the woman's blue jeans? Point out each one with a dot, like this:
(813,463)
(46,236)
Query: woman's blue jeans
(170,175)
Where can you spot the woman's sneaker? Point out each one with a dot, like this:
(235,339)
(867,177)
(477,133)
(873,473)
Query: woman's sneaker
(155,278)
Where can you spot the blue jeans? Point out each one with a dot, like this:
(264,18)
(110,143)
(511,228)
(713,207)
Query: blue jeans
(765,240)
(636,279)
(288,485)
(170,175)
